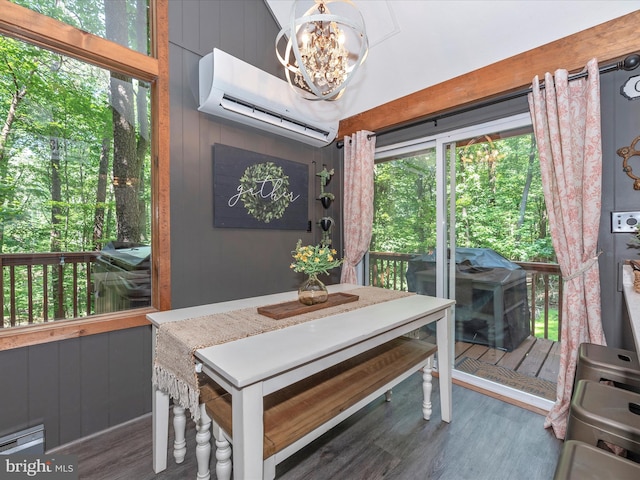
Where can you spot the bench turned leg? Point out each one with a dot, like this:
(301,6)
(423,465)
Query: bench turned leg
(203,445)
(179,426)
(223,454)
(427,386)
(387,395)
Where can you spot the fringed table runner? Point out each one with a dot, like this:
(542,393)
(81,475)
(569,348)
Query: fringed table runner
(174,365)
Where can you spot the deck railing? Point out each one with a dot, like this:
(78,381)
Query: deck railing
(544,287)
(38,287)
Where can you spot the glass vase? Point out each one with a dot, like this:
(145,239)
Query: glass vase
(312,291)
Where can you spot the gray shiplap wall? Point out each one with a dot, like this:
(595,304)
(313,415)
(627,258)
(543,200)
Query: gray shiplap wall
(214,264)
(620,125)
(76,387)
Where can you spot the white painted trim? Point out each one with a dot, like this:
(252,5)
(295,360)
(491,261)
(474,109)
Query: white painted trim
(503,390)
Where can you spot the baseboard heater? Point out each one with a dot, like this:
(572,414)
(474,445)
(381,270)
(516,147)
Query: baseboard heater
(29,441)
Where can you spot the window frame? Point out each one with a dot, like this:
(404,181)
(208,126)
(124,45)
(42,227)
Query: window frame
(32,27)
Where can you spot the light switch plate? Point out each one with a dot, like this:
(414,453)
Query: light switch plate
(625,222)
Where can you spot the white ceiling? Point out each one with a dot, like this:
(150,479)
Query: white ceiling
(414,44)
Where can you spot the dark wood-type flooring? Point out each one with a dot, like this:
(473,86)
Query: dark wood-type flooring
(487,439)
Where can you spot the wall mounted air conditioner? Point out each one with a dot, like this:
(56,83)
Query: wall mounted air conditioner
(233,89)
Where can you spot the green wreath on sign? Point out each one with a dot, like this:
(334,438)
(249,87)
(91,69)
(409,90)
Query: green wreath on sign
(265,190)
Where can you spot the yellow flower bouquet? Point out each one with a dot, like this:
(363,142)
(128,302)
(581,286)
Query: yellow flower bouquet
(313,260)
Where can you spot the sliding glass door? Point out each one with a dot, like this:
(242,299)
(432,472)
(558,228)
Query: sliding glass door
(404,213)
(462,215)
(495,217)
(497,227)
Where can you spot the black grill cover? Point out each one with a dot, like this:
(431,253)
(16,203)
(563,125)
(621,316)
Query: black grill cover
(491,296)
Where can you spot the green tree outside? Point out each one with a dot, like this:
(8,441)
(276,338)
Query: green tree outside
(499,202)
(63,185)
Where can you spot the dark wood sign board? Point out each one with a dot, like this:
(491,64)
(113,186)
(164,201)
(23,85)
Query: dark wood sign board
(254,190)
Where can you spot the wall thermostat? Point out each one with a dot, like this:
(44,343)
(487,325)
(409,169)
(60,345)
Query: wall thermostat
(625,222)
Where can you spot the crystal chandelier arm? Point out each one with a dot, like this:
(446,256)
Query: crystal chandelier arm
(281,59)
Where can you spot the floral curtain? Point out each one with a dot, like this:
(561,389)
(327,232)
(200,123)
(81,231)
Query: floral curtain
(566,122)
(358,200)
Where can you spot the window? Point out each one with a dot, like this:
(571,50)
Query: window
(54,184)
(75,196)
(124,21)
(405,202)
(404,211)
(499,200)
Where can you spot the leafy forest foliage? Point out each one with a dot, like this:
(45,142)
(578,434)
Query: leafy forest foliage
(499,200)
(74,147)
(74,156)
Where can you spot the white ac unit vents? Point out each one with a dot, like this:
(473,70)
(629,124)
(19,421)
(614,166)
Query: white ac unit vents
(233,89)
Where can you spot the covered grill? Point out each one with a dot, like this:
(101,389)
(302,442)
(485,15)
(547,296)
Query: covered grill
(122,277)
(491,296)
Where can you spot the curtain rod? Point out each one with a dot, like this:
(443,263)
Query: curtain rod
(629,63)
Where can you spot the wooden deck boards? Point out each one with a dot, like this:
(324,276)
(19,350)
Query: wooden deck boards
(534,357)
(549,370)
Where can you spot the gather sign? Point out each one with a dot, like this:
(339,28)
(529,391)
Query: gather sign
(254,190)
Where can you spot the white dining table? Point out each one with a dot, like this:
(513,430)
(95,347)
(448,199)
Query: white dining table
(253,367)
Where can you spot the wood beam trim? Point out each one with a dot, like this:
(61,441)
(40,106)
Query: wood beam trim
(29,335)
(33,27)
(161,181)
(609,41)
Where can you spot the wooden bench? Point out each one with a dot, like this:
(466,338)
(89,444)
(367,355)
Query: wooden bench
(298,414)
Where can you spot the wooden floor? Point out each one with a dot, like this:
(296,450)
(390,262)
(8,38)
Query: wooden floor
(487,439)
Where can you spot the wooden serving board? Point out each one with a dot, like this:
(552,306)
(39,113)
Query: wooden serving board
(289,309)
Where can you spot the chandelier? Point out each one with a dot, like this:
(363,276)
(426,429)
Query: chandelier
(323,50)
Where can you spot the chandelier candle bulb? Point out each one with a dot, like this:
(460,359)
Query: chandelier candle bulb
(323,50)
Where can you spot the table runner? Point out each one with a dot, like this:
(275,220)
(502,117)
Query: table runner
(174,370)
